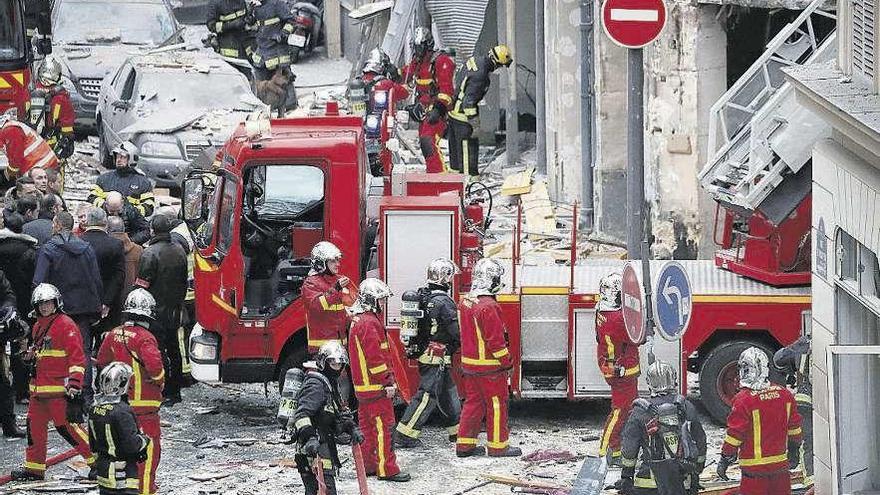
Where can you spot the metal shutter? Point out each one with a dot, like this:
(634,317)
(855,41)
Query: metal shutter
(459,23)
(864,13)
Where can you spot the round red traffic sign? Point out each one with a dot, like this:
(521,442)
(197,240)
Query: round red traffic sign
(633,23)
(633,302)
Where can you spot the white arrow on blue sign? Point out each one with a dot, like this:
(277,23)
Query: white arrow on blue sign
(672,301)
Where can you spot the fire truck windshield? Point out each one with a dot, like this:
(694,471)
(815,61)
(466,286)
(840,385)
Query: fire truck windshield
(288,190)
(12,42)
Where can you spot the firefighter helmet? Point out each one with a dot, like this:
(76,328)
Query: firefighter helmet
(609,292)
(423,40)
(323,252)
(128,149)
(501,56)
(333,352)
(113,382)
(662,378)
(790,359)
(47,292)
(50,71)
(376,62)
(487,277)
(370,294)
(440,271)
(141,303)
(754,368)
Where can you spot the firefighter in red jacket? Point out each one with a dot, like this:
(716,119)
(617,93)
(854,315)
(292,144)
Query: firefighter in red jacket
(618,361)
(133,344)
(381,83)
(326,293)
(485,366)
(373,379)
(764,428)
(433,73)
(50,111)
(24,148)
(57,368)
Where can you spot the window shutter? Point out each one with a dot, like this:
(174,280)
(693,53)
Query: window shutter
(864,14)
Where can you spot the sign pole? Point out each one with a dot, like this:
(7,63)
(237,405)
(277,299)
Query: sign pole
(635,153)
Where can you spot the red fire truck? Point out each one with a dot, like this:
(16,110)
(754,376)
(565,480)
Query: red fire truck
(282,185)
(15,57)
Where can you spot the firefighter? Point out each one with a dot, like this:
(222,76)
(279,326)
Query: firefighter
(433,73)
(24,148)
(763,429)
(663,441)
(57,364)
(373,380)
(273,21)
(325,293)
(436,390)
(319,416)
(463,148)
(226,19)
(380,79)
(485,366)
(135,345)
(127,180)
(114,436)
(50,111)
(794,361)
(618,361)
(378,75)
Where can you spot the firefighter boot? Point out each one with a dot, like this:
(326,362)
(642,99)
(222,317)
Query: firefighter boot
(402,441)
(508,452)
(478,450)
(10,429)
(399,477)
(25,475)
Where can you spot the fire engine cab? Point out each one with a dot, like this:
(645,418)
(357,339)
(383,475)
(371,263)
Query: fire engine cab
(280,186)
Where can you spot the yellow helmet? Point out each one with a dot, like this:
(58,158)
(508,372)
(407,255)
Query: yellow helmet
(501,55)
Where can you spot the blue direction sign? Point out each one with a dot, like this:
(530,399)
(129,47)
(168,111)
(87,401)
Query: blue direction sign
(672,301)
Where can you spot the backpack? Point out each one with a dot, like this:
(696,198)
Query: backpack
(672,450)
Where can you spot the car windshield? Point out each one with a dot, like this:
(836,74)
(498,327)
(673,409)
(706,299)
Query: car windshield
(195,90)
(105,23)
(12,46)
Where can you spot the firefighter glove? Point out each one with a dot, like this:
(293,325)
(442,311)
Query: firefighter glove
(342,283)
(436,113)
(357,436)
(142,454)
(624,486)
(310,448)
(75,406)
(65,146)
(723,463)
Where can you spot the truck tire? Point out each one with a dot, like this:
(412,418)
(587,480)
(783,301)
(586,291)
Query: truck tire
(295,359)
(719,380)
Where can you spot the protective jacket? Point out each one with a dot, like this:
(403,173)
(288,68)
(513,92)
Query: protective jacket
(274,22)
(50,112)
(69,263)
(128,181)
(483,336)
(59,361)
(135,346)
(370,354)
(162,271)
(326,318)
(444,336)
(653,434)
(17,258)
(226,19)
(24,149)
(117,443)
(762,426)
(618,355)
(317,412)
(433,75)
(472,88)
(136,225)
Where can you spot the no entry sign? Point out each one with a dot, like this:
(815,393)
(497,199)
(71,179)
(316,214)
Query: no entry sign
(633,23)
(633,304)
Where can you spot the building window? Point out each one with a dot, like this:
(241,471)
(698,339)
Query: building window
(858,271)
(847,256)
(869,274)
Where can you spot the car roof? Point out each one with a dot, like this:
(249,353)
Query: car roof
(182,60)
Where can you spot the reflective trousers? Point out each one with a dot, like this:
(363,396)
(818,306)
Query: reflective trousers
(623,392)
(429,141)
(766,484)
(40,412)
(486,397)
(436,392)
(376,419)
(464,149)
(151,427)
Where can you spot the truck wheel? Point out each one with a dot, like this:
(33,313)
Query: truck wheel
(293,360)
(719,377)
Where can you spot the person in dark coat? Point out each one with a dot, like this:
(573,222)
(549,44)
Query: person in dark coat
(41,227)
(133,252)
(163,272)
(111,261)
(69,263)
(136,225)
(10,331)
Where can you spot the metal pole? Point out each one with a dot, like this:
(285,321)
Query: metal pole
(635,155)
(512,113)
(646,283)
(587,158)
(540,100)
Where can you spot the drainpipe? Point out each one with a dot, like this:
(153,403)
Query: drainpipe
(540,100)
(587,117)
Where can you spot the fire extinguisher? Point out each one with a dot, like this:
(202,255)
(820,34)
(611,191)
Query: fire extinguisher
(471,252)
(476,219)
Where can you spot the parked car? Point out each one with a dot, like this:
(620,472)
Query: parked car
(172,105)
(92,37)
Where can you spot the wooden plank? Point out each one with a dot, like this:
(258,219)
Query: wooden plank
(518,183)
(540,217)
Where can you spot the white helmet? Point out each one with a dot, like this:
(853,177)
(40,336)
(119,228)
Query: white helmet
(754,368)
(129,149)
(331,351)
(661,378)
(50,71)
(47,292)
(440,271)
(141,303)
(376,62)
(113,382)
(370,294)
(487,277)
(423,40)
(323,252)
(609,292)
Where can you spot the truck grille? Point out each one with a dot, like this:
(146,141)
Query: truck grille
(91,88)
(194,150)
